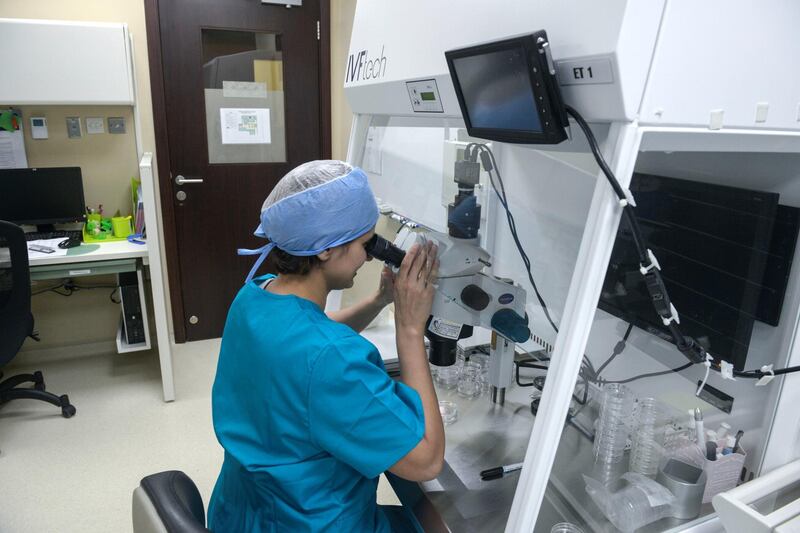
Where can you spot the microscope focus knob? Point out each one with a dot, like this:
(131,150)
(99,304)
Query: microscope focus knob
(475,298)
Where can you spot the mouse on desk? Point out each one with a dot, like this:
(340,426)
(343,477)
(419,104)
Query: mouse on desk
(69,243)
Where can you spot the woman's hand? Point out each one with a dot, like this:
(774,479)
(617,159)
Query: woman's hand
(385,294)
(414,288)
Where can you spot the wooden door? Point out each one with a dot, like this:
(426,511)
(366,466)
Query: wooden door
(245,99)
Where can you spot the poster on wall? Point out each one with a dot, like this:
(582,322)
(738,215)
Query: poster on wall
(12,140)
(244,126)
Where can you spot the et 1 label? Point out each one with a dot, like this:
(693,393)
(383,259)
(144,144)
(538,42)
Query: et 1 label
(585,71)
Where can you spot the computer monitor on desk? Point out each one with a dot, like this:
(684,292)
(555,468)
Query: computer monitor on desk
(42,196)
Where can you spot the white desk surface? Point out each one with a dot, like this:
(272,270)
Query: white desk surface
(106,251)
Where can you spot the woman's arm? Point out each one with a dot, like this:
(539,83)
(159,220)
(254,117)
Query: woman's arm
(414,296)
(358,316)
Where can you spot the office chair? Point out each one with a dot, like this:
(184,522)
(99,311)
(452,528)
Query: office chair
(168,502)
(16,322)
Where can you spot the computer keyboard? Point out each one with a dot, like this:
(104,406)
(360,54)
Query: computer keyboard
(41,235)
(57,234)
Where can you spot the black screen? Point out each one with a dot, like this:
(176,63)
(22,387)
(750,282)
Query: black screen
(41,195)
(497,91)
(725,255)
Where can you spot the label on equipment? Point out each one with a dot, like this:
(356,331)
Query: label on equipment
(585,71)
(506,298)
(445,328)
(80,272)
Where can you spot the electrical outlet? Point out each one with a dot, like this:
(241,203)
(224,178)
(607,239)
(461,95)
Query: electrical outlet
(116,125)
(95,125)
(73,127)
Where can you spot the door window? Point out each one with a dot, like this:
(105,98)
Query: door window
(243,81)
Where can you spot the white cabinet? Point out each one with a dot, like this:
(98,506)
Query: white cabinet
(59,62)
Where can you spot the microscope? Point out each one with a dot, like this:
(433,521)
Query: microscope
(466,296)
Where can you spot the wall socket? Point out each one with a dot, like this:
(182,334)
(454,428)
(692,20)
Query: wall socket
(95,125)
(73,127)
(116,125)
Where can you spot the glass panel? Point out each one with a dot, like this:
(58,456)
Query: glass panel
(724,228)
(778,499)
(243,80)
(647,434)
(410,163)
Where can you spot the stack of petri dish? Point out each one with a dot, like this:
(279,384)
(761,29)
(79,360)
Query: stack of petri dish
(447,376)
(566,527)
(470,382)
(612,430)
(648,438)
(482,360)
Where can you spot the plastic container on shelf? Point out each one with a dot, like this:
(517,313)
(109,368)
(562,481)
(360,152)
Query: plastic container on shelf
(724,473)
(638,503)
(612,430)
(647,440)
(683,472)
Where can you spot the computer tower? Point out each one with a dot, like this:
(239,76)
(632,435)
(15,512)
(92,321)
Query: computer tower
(132,316)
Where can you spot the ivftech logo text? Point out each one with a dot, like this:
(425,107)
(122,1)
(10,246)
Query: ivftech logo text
(362,66)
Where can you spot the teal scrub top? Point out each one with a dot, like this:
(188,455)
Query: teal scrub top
(308,419)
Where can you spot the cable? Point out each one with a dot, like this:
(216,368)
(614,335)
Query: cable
(689,347)
(655,284)
(490,165)
(649,266)
(72,288)
(618,349)
(758,374)
(650,375)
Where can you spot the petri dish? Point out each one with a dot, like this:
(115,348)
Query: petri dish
(449,412)
(447,376)
(566,527)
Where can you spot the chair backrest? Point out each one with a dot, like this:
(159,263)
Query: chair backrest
(16,322)
(168,502)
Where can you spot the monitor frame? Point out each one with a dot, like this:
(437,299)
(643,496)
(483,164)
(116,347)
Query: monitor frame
(543,85)
(57,220)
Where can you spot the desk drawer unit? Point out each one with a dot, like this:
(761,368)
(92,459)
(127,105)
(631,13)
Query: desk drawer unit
(89,268)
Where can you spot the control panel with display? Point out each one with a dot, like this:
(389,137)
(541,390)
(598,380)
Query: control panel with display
(424,96)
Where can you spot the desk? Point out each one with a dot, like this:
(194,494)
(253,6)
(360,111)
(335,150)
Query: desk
(108,258)
(487,435)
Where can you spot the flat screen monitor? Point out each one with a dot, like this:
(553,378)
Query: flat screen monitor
(42,196)
(507,90)
(725,254)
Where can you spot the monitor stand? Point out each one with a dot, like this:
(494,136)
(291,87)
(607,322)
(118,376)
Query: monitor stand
(45,228)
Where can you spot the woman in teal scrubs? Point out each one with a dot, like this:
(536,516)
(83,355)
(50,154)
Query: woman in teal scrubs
(302,404)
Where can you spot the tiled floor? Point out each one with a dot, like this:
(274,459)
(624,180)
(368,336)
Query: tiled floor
(77,475)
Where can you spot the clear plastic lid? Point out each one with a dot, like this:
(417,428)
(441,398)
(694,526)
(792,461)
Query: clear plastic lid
(449,412)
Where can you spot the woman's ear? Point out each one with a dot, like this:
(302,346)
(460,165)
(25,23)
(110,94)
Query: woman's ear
(325,255)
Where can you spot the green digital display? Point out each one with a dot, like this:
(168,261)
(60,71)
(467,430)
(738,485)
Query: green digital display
(426,97)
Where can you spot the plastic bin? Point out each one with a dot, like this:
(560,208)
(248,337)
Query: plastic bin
(723,474)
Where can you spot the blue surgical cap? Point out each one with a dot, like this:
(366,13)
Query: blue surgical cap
(316,206)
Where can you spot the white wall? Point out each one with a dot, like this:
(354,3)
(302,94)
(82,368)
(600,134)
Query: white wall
(109,162)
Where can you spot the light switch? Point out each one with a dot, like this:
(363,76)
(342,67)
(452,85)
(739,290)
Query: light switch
(73,127)
(116,125)
(38,128)
(95,125)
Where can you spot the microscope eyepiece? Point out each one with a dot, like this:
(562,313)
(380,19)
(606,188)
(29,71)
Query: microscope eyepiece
(383,250)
